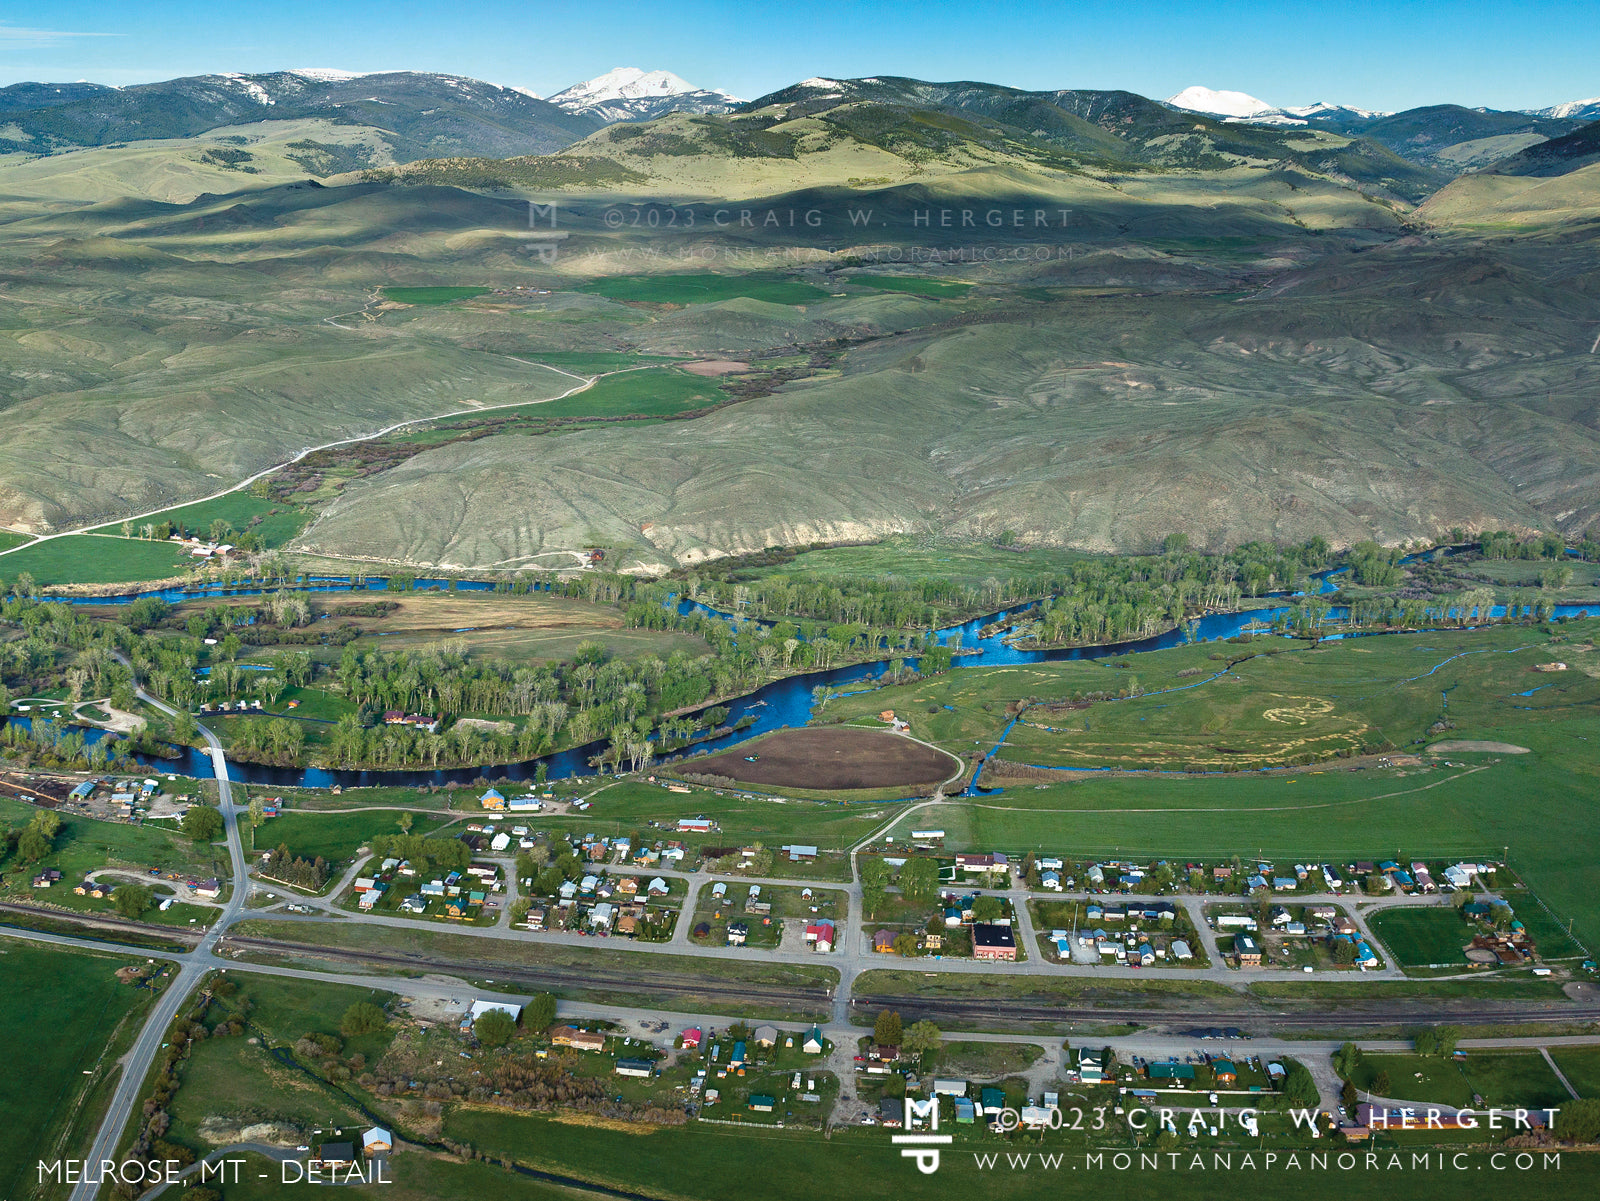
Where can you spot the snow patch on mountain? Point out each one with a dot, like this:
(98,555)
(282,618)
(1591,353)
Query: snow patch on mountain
(1197,99)
(328,74)
(251,88)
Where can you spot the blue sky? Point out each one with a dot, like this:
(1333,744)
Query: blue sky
(1378,55)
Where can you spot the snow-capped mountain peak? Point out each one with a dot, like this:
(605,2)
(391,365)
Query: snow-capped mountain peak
(625,83)
(1583,110)
(1323,109)
(630,94)
(1197,99)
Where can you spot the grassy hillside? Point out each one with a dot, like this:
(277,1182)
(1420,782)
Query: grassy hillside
(970,310)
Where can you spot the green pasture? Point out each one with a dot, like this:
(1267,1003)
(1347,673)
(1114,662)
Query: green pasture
(649,392)
(771,286)
(95,559)
(595,362)
(333,835)
(432,295)
(67,1008)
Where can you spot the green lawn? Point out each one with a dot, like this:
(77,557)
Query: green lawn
(8,539)
(1505,1079)
(432,295)
(771,286)
(916,285)
(274,522)
(95,559)
(1416,937)
(62,1014)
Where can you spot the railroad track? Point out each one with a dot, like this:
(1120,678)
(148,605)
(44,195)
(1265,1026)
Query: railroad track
(590,978)
(99,921)
(1394,1013)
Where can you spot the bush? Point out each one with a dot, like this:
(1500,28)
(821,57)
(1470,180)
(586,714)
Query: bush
(202,823)
(495,1028)
(362,1018)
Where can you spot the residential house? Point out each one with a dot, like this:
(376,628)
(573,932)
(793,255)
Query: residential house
(1180,950)
(820,936)
(1170,1071)
(765,1036)
(883,942)
(813,1044)
(333,1156)
(578,1040)
(1224,1071)
(644,1068)
(737,933)
(761,1103)
(891,1112)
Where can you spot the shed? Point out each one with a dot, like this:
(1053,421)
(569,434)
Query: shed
(376,1140)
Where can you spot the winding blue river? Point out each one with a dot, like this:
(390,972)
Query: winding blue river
(786,702)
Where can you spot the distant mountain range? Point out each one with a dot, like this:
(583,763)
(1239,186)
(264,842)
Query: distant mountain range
(1447,137)
(425,116)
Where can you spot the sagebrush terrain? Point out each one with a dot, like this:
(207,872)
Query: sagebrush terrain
(1130,322)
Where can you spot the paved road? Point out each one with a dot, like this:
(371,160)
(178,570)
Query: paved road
(191,971)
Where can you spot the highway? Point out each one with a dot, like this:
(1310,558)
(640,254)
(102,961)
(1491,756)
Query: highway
(192,969)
